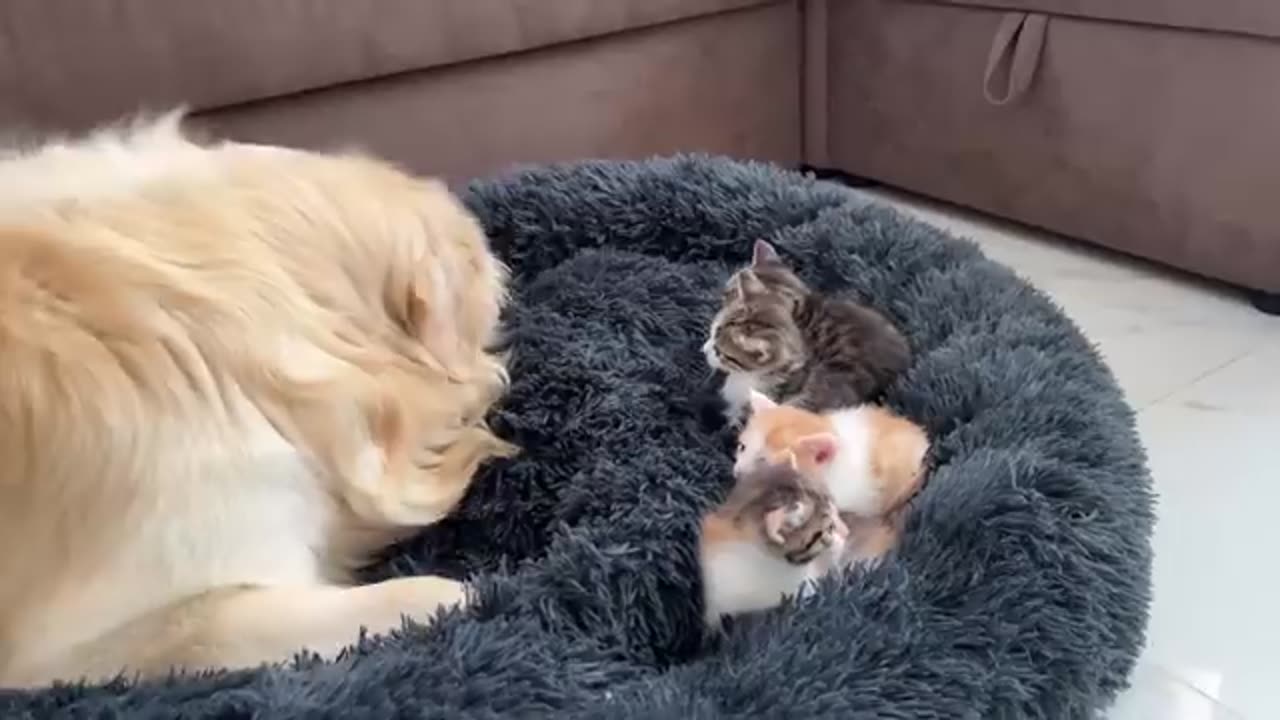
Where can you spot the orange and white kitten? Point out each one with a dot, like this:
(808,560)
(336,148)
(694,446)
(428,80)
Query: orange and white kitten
(774,534)
(813,492)
(870,459)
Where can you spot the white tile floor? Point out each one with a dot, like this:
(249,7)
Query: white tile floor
(1202,368)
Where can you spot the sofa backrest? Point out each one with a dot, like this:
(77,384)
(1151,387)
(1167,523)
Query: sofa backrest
(1246,17)
(69,64)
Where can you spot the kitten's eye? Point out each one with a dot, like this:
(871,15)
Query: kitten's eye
(741,448)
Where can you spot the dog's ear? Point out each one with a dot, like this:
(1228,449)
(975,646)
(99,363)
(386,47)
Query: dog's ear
(433,319)
(452,288)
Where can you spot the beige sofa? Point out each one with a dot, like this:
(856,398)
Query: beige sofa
(453,87)
(1148,127)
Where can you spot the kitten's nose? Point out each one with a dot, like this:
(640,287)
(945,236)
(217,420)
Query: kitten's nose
(709,351)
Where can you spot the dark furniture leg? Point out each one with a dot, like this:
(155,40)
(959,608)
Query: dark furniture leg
(1267,302)
(840,176)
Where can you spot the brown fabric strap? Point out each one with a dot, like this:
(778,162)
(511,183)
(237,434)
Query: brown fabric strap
(1015,53)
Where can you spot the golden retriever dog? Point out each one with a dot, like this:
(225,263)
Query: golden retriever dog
(228,374)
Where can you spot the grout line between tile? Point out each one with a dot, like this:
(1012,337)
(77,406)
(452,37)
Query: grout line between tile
(1216,368)
(1174,677)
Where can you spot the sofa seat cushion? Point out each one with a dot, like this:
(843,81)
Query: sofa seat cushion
(69,63)
(1259,18)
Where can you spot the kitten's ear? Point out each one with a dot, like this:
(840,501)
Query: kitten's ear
(760,401)
(819,449)
(748,283)
(763,253)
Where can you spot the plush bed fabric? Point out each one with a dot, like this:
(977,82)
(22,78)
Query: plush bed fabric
(1021,587)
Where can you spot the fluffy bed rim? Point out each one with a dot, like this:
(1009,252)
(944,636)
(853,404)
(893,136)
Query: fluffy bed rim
(1022,585)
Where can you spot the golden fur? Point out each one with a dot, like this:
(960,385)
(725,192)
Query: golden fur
(227,374)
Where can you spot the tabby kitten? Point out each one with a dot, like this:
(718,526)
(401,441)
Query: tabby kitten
(772,536)
(775,335)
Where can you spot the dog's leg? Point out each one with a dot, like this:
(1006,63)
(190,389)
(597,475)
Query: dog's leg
(420,486)
(419,464)
(399,448)
(247,626)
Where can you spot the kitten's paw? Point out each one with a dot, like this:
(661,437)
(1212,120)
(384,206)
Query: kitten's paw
(783,521)
(801,536)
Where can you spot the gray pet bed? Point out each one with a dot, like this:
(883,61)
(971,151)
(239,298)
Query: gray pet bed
(1022,584)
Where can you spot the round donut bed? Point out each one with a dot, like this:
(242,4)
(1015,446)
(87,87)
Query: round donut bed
(1022,582)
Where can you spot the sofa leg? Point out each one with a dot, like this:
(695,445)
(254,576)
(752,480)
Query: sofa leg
(836,175)
(1267,302)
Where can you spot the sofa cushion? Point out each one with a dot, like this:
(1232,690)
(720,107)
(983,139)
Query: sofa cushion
(1246,17)
(1144,139)
(70,63)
